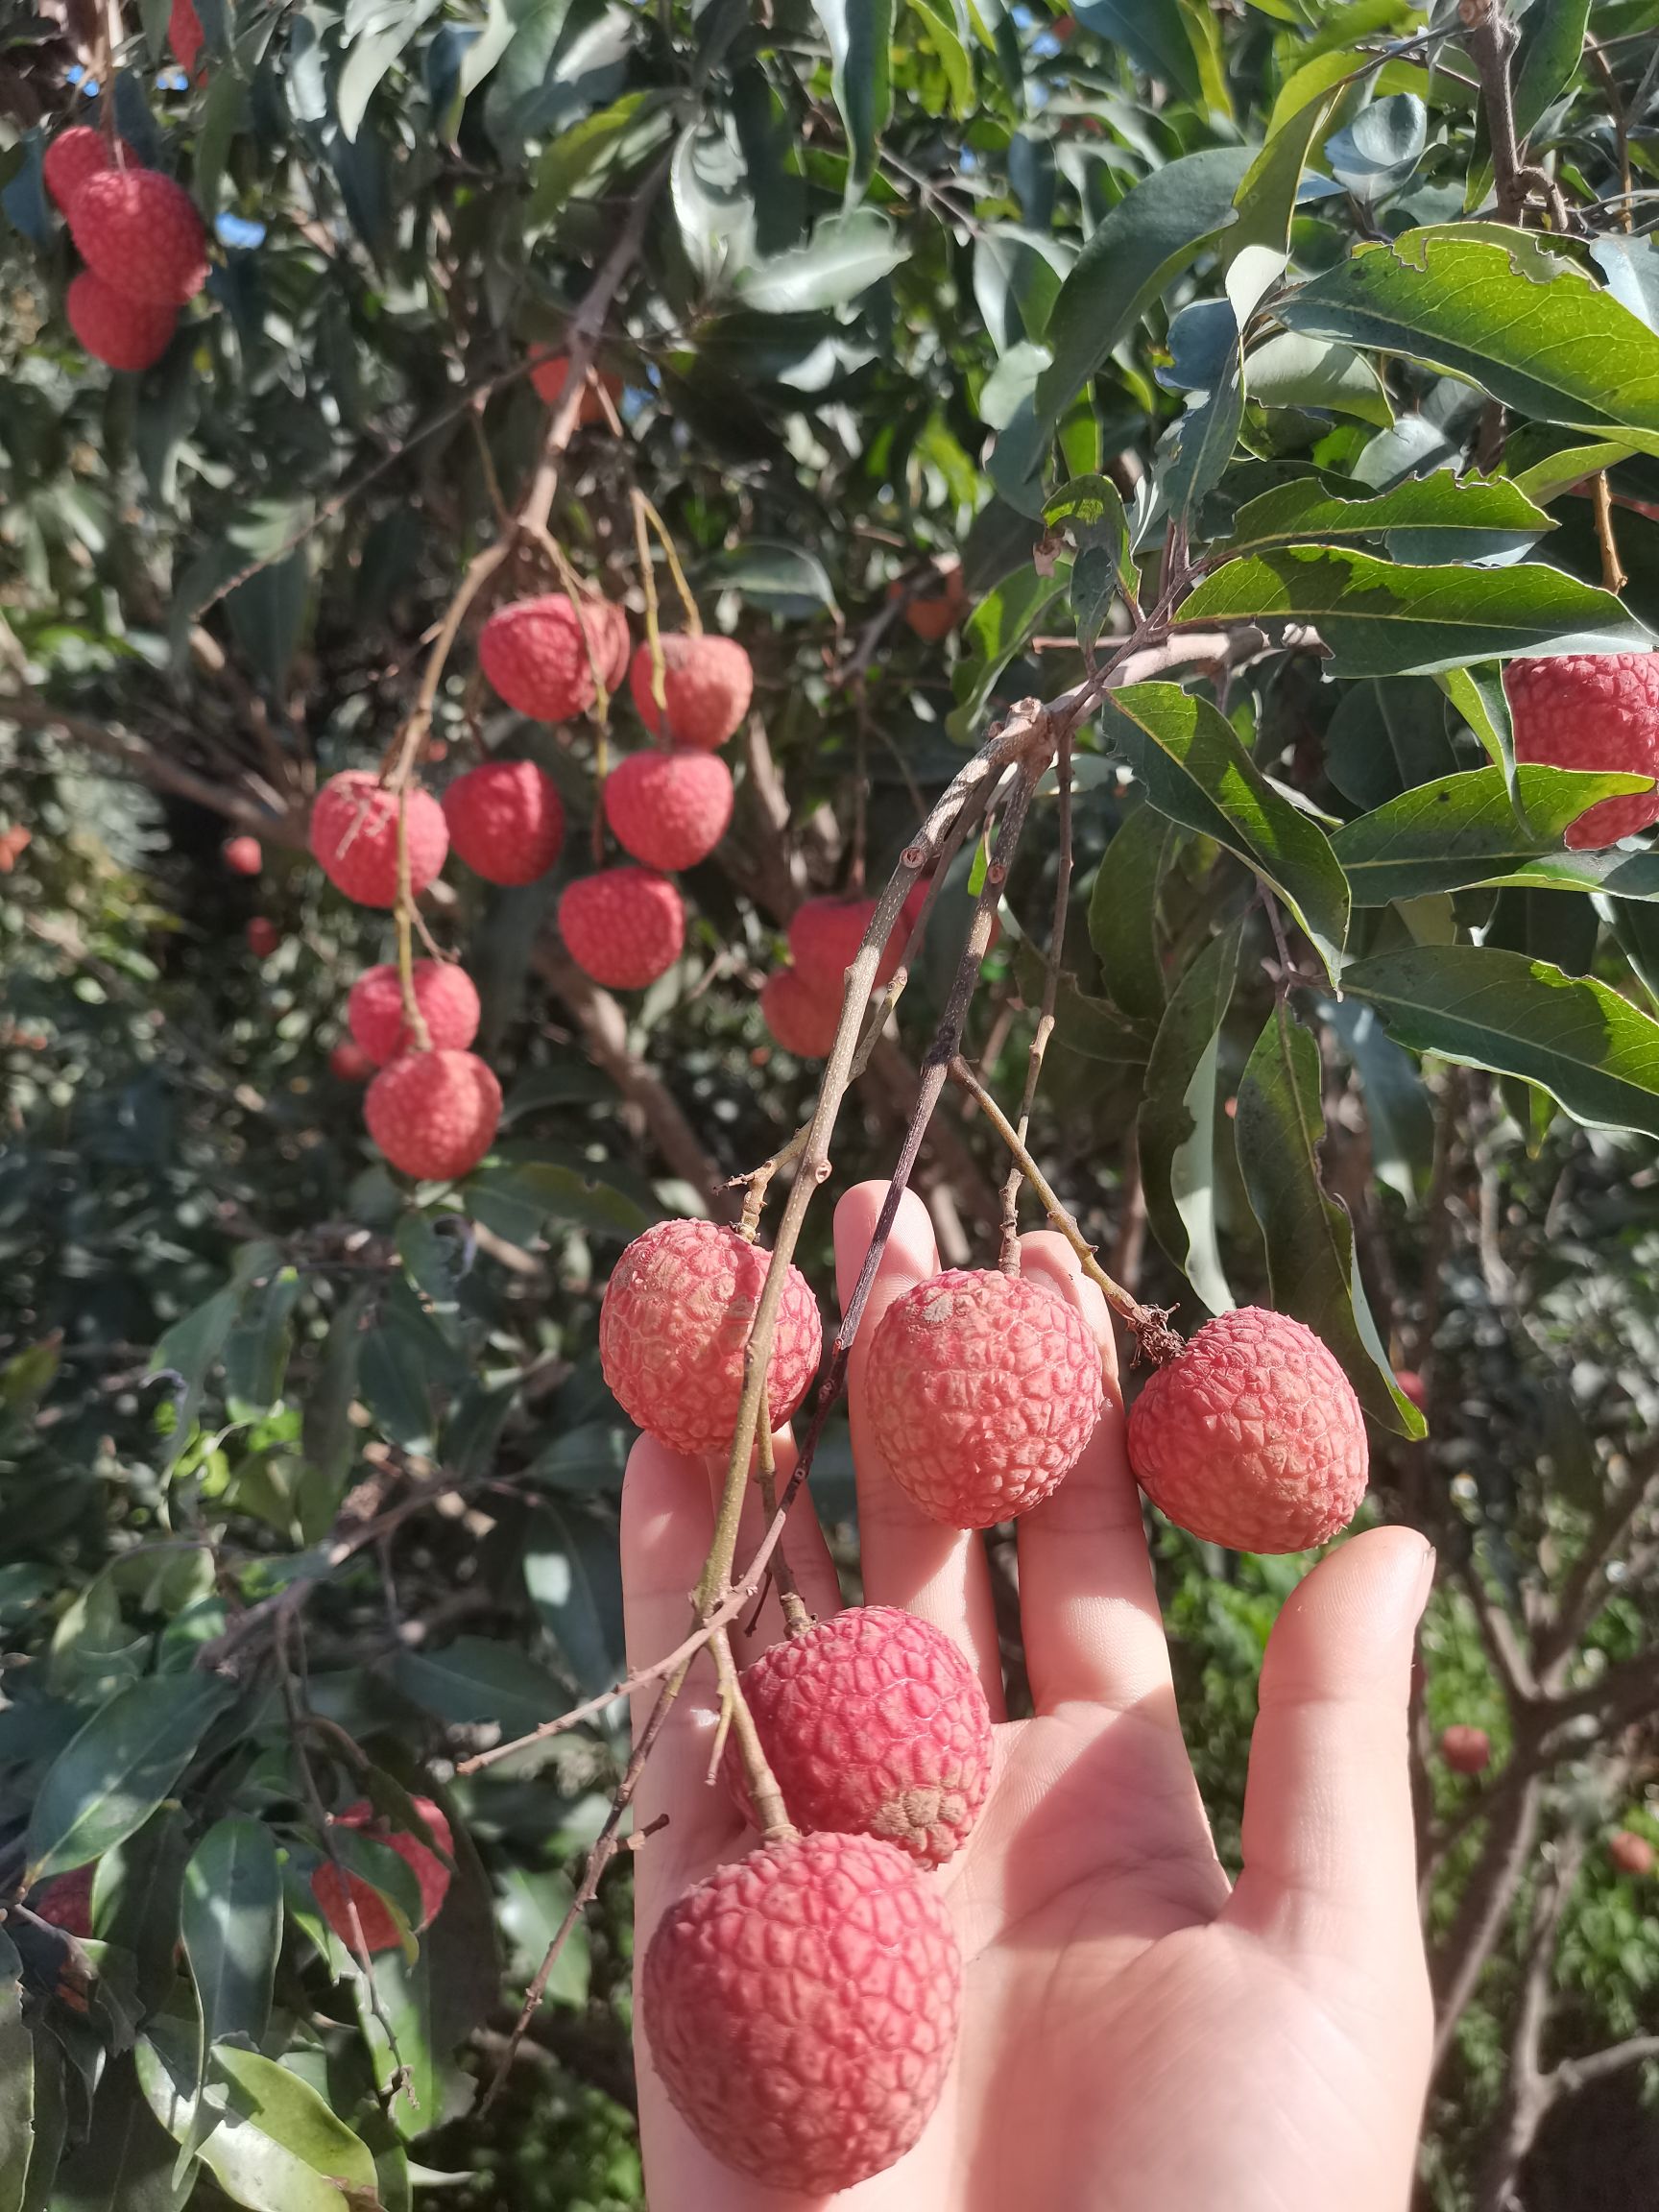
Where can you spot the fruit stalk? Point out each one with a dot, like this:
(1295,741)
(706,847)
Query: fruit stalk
(414,1021)
(1010,1256)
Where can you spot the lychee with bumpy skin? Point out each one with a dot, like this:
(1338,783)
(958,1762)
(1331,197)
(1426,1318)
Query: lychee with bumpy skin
(505,820)
(624,926)
(1630,1854)
(706,686)
(185,36)
(140,232)
(874,1724)
(533,655)
(263,936)
(333,1886)
(550,376)
(1466,1750)
(1592,711)
(802,2007)
(434,1114)
(802,1020)
(243,856)
(444,993)
(672,1327)
(348,1063)
(128,334)
(669,809)
(66,1901)
(825,935)
(354,837)
(1252,1436)
(983,1390)
(73,156)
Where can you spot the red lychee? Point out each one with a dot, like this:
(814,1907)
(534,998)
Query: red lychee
(332,1888)
(934,611)
(130,335)
(505,820)
(73,156)
(263,936)
(825,935)
(1410,1386)
(669,809)
(350,1063)
(243,856)
(624,926)
(444,993)
(672,1327)
(549,374)
(804,1021)
(185,36)
(874,1724)
(354,837)
(434,1114)
(66,1901)
(982,1388)
(1592,711)
(531,652)
(1630,1854)
(1252,1436)
(706,684)
(1466,1750)
(140,232)
(802,2007)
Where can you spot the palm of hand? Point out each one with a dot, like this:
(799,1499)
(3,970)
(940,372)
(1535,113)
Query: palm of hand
(1133,2033)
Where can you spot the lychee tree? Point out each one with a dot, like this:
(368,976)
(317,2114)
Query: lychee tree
(1055,608)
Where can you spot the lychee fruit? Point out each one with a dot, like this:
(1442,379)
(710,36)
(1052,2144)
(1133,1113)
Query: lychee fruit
(1252,1436)
(243,856)
(802,2006)
(354,837)
(333,1887)
(1409,1384)
(350,1063)
(130,335)
(505,820)
(549,377)
(185,36)
(669,809)
(140,232)
(66,1901)
(1630,1854)
(434,1114)
(983,1390)
(707,684)
(624,926)
(803,1021)
(263,936)
(874,1724)
(1466,1750)
(933,612)
(531,652)
(825,935)
(1592,711)
(673,1323)
(73,156)
(444,993)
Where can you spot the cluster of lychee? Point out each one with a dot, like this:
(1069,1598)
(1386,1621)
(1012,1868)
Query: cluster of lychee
(801,2003)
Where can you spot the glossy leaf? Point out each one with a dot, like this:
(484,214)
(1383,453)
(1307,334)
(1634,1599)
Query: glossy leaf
(17,2080)
(233,1926)
(1124,914)
(1152,33)
(1176,1129)
(111,1777)
(1292,372)
(1304,510)
(860,33)
(473,1680)
(1464,829)
(127,2162)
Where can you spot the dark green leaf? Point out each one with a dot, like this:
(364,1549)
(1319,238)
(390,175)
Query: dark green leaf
(1461,508)
(473,1680)
(1551,40)
(517,1198)
(393,1380)
(1255,247)
(590,1457)
(109,1778)
(256,1350)
(137,1898)
(1387,735)
(233,1926)
(777,579)
(1097,1031)
(1398,1111)
(844,255)
(996,632)
(572,1574)
(1176,1129)
(1124,914)
(1152,33)
(127,2162)
(860,33)
(1464,829)
(532,1910)
(17,2080)
(1292,372)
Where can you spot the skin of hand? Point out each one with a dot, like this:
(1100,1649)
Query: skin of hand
(1134,2033)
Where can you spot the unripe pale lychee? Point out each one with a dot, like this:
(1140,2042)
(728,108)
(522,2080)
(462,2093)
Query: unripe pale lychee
(672,1327)
(1466,1750)
(982,1388)
(130,335)
(549,375)
(802,2007)
(1252,1436)
(707,684)
(263,936)
(1592,711)
(66,1901)
(243,856)
(506,819)
(444,993)
(333,1886)
(185,36)
(1630,1854)
(434,1114)
(73,156)
(669,809)
(354,837)
(875,1724)
(140,232)
(804,1021)
(350,1063)
(934,612)
(531,652)
(624,926)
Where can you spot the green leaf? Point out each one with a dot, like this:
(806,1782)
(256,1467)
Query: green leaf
(1095,1029)
(1552,42)
(517,1198)
(532,1909)
(1255,248)
(1464,829)
(1491,305)
(860,37)
(1399,1112)
(572,1574)
(473,1680)
(372,54)
(1196,771)
(108,1779)
(1386,735)
(575,154)
(844,255)
(392,1377)
(277,2147)
(1383,618)
(1311,1267)
(1583,1043)
(1560,472)
(1478,693)
(997,630)
(946,43)
(1124,914)
(137,1897)
(1302,510)
(776,578)
(188,1351)
(17,2080)
(1145,241)
(1176,1129)
(233,1926)
(1153,35)
(256,1351)
(1205,437)
(127,2162)
(1292,372)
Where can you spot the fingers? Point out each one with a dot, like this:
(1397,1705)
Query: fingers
(1087,1605)
(1329,1844)
(940,1574)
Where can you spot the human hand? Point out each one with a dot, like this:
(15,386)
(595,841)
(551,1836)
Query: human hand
(1134,2033)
